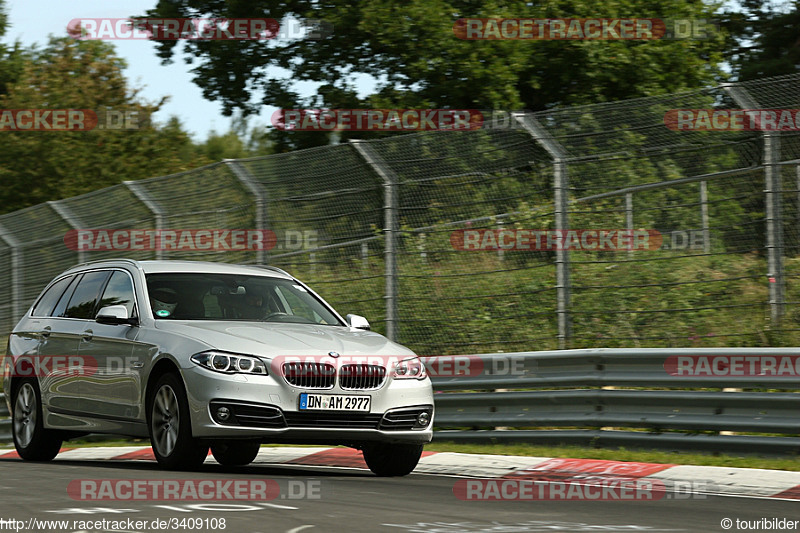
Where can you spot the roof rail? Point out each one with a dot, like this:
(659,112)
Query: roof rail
(274,269)
(127,260)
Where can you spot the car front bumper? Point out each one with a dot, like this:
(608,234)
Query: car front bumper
(273,396)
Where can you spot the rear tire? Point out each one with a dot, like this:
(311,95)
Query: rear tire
(389,460)
(170,426)
(235,453)
(32,441)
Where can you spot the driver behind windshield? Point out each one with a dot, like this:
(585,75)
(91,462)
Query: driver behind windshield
(253,307)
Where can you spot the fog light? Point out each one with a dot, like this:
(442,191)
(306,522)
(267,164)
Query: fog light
(223,413)
(423,419)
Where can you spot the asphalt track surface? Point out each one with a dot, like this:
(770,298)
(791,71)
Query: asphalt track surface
(347,500)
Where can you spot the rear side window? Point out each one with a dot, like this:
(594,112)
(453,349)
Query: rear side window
(62,303)
(48,301)
(84,299)
(119,291)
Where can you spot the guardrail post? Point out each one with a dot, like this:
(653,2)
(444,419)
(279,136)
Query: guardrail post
(73,221)
(772,191)
(390,229)
(158,213)
(561,208)
(260,196)
(16,275)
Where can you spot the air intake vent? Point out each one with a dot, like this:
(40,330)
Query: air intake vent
(332,420)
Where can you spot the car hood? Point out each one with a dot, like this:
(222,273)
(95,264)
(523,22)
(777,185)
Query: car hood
(272,339)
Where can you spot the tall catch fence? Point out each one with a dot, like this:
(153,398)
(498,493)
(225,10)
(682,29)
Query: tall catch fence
(378,227)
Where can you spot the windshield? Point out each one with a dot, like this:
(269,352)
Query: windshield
(185,296)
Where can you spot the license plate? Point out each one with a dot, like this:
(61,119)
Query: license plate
(333,402)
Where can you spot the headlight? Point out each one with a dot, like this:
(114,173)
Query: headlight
(411,368)
(229,363)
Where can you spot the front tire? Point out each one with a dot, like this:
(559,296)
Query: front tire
(32,441)
(170,427)
(389,460)
(236,453)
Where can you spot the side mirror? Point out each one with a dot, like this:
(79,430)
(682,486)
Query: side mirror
(115,315)
(357,322)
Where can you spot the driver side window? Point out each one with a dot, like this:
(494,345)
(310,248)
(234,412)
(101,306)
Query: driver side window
(119,291)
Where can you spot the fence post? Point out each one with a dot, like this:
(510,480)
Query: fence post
(501,254)
(772,151)
(16,275)
(561,208)
(772,191)
(797,206)
(390,229)
(704,217)
(255,188)
(73,221)
(158,213)
(364,257)
(629,220)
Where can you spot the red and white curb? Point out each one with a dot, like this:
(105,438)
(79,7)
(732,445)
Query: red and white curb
(728,481)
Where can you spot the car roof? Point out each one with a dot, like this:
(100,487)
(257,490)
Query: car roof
(205,267)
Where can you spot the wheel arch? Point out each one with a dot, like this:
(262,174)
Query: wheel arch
(163,366)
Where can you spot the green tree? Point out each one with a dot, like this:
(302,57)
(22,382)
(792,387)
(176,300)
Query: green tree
(412,49)
(764,39)
(241,140)
(36,166)
(10,57)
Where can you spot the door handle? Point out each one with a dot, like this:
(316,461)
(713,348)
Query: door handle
(45,332)
(87,335)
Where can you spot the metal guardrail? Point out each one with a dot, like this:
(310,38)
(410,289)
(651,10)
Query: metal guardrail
(579,390)
(602,367)
(589,390)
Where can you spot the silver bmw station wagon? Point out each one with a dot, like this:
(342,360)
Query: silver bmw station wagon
(196,355)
